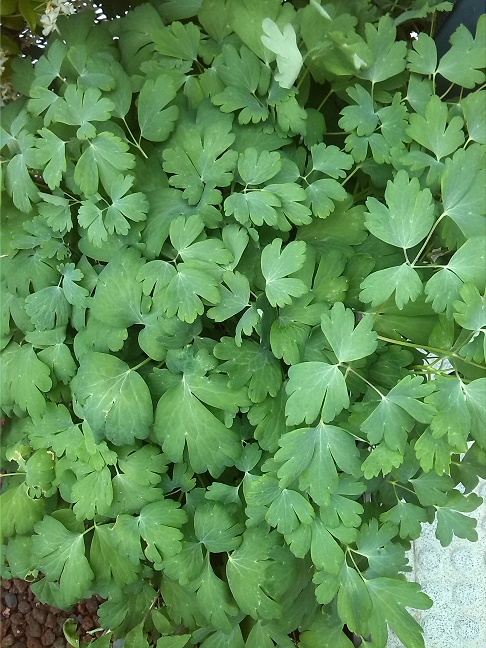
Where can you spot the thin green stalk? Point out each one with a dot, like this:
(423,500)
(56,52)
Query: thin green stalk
(365,380)
(426,242)
(140,364)
(442,352)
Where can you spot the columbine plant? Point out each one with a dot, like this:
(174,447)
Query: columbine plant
(243,317)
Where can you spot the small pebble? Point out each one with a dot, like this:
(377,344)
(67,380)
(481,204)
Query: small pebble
(17,631)
(20,585)
(39,614)
(48,638)
(33,628)
(8,641)
(24,607)
(6,583)
(10,600)
(33,642)
(60,642)
(92,606)
(87,623)
(50,621)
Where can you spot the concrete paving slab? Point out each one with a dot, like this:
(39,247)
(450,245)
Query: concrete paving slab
(455,578)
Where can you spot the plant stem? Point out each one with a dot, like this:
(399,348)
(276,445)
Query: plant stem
(134,141)
(324,101)
(426,242)
(350,175)
(140,364)
(348,368)
(442,352)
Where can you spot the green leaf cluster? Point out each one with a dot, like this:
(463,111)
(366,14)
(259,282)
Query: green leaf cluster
(243,322)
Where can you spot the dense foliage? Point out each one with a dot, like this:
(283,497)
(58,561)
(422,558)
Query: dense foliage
(243,317)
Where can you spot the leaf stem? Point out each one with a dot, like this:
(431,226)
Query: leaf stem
(447,91)
(134,141)
(140,364)
(15,474)
(331,91)
(350,175)
(348,368)
(442,352)
(429,236)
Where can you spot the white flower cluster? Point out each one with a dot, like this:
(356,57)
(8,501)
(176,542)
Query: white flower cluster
(3,60)
(54,9)
(7,93)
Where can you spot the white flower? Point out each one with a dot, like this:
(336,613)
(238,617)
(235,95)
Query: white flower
(53,9)
(3,60)
(7,93)
(49,19)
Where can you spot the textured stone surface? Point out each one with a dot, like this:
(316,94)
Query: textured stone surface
(455,578)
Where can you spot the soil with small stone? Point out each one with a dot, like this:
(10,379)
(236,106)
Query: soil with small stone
(28,623)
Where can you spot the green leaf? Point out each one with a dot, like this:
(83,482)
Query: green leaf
(473,107)
(462,190)
(322,194)
(19,183)
(216,528)
(397,412)
(233,299)
(181,419)
(390,599)
(52,157)
(215,600)
(61,557)
(315,389)
(408,517)
(155,119)
(463,62)
(201,160)
(28,395)
(423,58)
(347,342)
(311,455)
(118,291)
(179,41)
(353,601)
(470,313)
(388,55)
(103,157)
(289,510)
(402,280)
(81,107)
(451,520)
(249,364)
(408,215)
(432,130)
(114,399)
(246,569)
(277,265)
(133,206)
(159,525)
(19,512)
(107,561)
(361,116)
(255,206)
(284,45)
(256,168)
(48,308)
(93,494)
(330,160)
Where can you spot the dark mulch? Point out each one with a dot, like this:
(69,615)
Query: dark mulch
(28,623)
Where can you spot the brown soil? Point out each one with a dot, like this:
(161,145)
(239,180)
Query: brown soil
(28,623)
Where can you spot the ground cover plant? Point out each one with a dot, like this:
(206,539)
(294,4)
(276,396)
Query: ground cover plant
(243,317)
